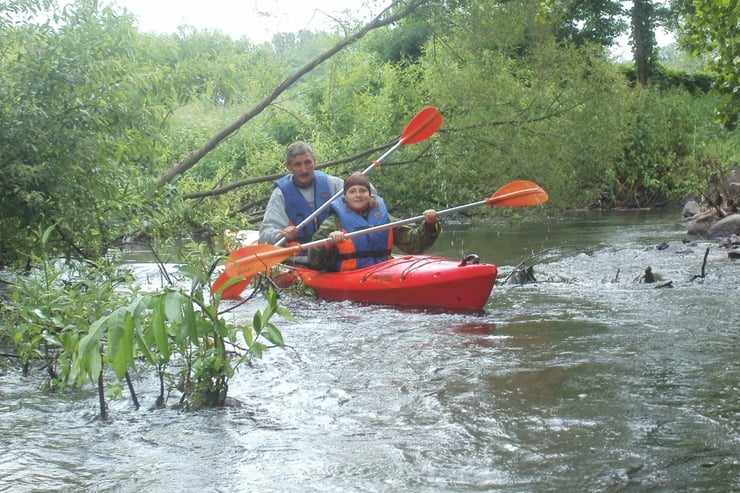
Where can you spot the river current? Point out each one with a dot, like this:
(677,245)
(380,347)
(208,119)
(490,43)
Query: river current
(587,380)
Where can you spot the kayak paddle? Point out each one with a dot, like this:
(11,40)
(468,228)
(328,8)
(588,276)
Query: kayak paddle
(246,262)
(422,126)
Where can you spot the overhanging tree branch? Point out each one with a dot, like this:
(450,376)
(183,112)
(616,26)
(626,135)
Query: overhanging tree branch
(267,178)
(383,19)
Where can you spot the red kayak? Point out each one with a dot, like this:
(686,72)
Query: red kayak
(413,280)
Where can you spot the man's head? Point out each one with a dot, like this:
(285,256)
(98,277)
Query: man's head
(300,160)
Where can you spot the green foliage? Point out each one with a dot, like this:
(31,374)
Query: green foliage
(601,22)
(19,12)
(361,103)
(204,65)
(77,126)
(672,140)
(82,319)
(51,308)
(547,112)
(673,57)
(698,83)
(505,27)
(290,51)
(711,27)
(585,21)
(403,43)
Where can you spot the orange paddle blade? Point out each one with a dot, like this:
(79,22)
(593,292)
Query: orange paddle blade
(424,125)
(248,251)
(252,260)
(518,193)
(261,261)
(233,291)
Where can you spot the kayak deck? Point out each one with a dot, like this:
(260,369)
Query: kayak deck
(413,280)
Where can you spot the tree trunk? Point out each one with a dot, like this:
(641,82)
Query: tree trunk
(638,40)
(643,39)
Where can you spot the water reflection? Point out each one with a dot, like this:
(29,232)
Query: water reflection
(475,328)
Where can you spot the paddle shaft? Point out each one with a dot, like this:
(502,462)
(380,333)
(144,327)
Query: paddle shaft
(382,227)
(391,225)
(512,198)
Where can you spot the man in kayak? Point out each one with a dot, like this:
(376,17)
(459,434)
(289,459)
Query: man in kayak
(296,196)
(360,209)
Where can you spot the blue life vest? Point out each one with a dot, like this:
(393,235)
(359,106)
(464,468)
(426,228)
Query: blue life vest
(299,209)
(363,250)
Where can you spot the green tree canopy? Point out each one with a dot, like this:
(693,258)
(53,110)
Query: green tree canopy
(711,28)
(79,122)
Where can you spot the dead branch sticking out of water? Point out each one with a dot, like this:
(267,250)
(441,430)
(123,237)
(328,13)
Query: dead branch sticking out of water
(703,266)
(524,275)
(667,284)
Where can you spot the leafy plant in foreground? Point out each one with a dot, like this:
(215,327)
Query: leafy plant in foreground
(87,322)
(177,325)
(51,307)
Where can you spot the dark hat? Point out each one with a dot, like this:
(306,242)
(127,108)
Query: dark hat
(356,178)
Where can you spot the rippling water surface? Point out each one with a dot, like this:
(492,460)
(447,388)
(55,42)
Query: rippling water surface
(587,380)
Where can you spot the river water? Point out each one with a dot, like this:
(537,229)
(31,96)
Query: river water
(585,381)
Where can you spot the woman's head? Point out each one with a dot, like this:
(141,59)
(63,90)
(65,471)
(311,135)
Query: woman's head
(357,192)
(356,179)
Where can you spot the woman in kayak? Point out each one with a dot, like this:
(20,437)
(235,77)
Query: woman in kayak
(357,210)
